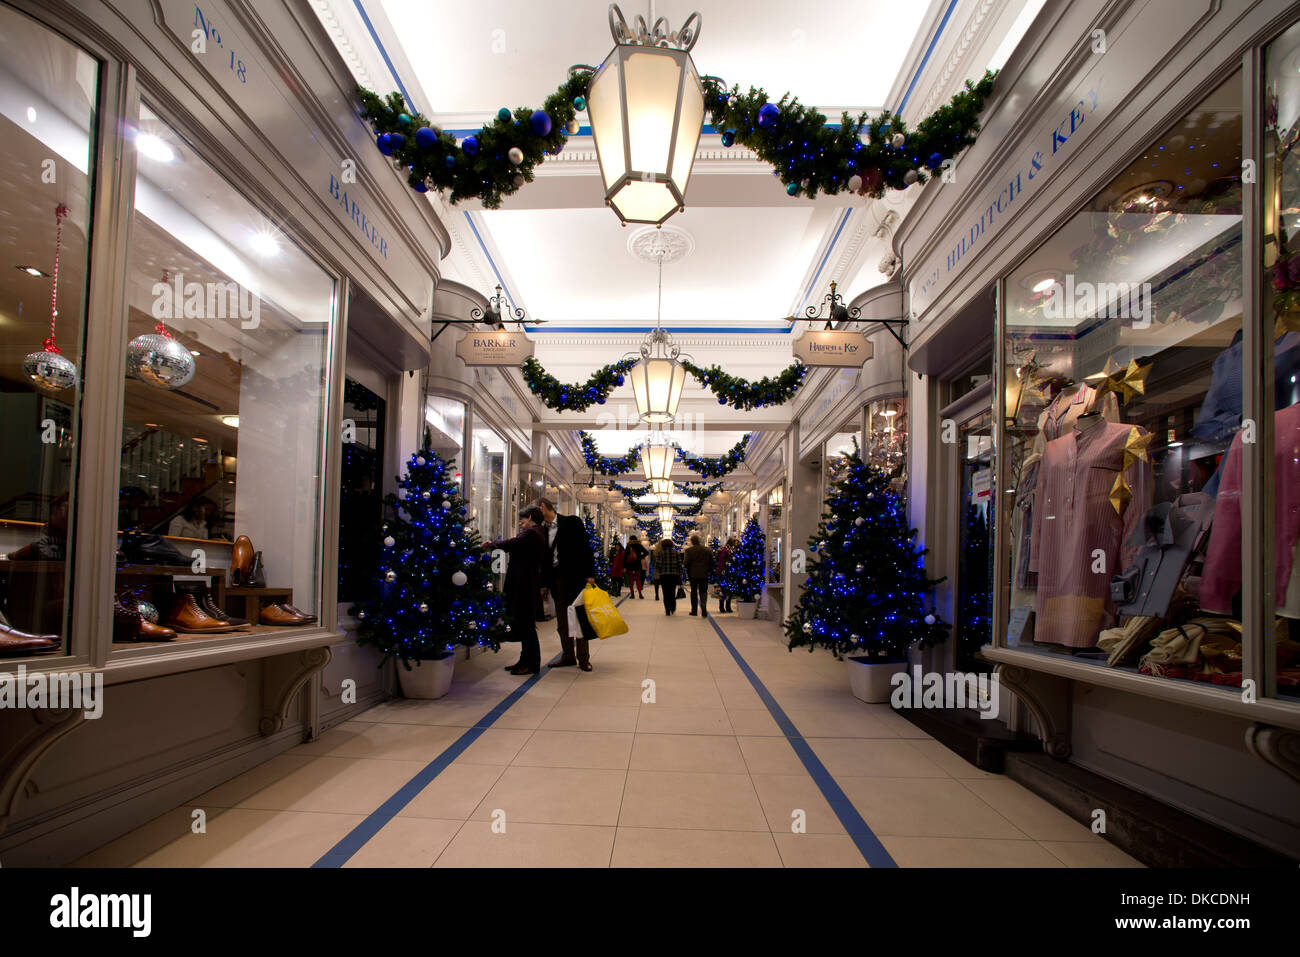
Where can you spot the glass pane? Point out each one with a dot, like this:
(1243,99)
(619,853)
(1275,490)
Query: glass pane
(48,97)
(487,483)
(974,557)
(224,399)
(361,497)
(445,419)
(886,442)
(1281,179)
(1123,394)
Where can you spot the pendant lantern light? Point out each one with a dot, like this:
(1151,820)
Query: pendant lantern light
(666,514)
(646,106)
(657,458)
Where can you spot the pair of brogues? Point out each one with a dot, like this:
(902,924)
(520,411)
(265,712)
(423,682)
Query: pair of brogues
(194,614)
(17,644)
(284,615)
(130,623)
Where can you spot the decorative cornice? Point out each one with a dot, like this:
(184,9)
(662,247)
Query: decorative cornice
(943,87)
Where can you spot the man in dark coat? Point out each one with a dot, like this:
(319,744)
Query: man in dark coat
(698,563)
(567,568)
(528,552)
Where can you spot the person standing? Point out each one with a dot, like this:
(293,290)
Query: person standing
(668,572)
(698,562)
(720,569)
(527,551)
(568,568)
(634,557)
(650,575)
(616,568)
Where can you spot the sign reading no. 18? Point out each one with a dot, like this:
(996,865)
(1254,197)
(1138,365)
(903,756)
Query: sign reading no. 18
(832,347)
(496,347)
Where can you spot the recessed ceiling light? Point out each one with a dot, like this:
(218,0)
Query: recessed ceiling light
(199,439)
(155,149)
(889,412)
(33,271)
(195,352)
(264,244)
(230,420)
(1044,284)
(31,114)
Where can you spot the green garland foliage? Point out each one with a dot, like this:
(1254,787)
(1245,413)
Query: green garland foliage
(728,462)
(483,171)
(745,395)
(809,157)
(698,492)
(577,397)
(607,464)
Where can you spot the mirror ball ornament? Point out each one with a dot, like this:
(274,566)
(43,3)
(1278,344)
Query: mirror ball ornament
(807,628)
(930,619)
(859,520)
(390,576)
(471,625)
(897,140)
(147,611)
(159,361)
(459,578)
(426,495)
(50,369)
(731,102)
(516,155)
(573,127)
(423,608)
(419,460)
(860,567)
(855,183)
(446,503)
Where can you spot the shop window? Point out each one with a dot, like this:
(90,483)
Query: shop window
(223,405)
(974,555)
(886,441)
(488,481)
(1281,249)
(444,420)
(361,496)
(775,533)
(1123,393)
(49,92)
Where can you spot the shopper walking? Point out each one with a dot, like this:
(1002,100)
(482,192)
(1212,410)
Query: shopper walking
(650,575)
(697,562)
(668,572)
(616,568)
(634,557)
(568,568)
(527,551)
(720,568)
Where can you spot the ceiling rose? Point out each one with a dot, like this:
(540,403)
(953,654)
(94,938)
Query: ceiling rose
(649,243)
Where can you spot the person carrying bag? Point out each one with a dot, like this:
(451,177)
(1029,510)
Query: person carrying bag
(668,573)
(634,557)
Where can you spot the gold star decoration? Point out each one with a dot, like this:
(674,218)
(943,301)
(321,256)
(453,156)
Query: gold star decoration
(1133,382)
(1120,495)
(1135,450)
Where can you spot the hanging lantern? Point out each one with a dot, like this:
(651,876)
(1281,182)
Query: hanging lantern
(646,107)
(658,378)
(667,529)
(48,367)
(661,487)
(657,458)
(665,513)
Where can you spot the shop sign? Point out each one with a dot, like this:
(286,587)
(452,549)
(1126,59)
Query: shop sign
(981,484)
(496,347)
(1034,168)
(831,347)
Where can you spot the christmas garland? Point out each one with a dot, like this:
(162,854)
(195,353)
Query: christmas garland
(574,398)
(699,492)
(607,464)
(728,462)
(810,157)
(630,491)
(488,165)
(745,395)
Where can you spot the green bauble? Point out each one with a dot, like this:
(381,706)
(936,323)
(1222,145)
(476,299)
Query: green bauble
(579,103)
(792,189)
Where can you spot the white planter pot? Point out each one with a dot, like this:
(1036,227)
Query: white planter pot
(426,679)
(746,609)
(870,680)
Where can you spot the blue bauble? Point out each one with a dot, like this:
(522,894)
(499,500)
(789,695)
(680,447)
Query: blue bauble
(421,188)
(470,145)
(618,381)
(503,115)
(384,142)
(450,161)
(425,138)
(722,400)
(767,115)
(936,160)
(540,123)
(396,141)
(728,137)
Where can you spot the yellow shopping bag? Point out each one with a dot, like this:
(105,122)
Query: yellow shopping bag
(601,614)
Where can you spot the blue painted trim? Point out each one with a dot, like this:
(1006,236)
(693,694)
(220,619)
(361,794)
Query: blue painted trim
(926,59)
(354,840)
(491,262)
(868,844)
(384,53)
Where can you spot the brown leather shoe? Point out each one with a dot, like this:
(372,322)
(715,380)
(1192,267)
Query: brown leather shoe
(130,625)
(15,643)
(274,614)
(241,559)
(188,618)
(295,610)
(215,611)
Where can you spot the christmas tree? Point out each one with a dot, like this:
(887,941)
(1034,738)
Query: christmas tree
(976,622)
(866,588)
(599,560)
(435,582)
(713,566)
(744,577)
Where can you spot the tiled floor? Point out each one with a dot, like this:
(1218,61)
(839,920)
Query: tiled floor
(600,769)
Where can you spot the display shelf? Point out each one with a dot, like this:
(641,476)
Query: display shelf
(250,631)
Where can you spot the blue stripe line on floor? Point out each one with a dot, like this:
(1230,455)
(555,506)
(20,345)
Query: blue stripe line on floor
(354,840)
(868,844)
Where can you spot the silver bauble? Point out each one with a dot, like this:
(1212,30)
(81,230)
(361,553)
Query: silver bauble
(147,611)
(50,369)
(472,625)
(361,614)
(426,495)
(807,628)
(389,541)
(423,607)
(897,140)
(459,578)
(910,177)
(930,619)
(860,567)
(731,102)
(855,183)
(516,155)
(390,576)
(419,460)
(573,126)
(159,361)
(859,520)
(446,503)
(517,181)
(507,627)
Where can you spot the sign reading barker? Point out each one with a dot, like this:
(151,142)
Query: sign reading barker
(831,347)
(496,347)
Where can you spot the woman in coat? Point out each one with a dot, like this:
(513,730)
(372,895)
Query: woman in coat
(616,568)
(719,569)
(668,572)
(633,557)
(523,581)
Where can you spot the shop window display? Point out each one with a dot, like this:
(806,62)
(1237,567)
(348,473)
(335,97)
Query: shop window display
(361,497)
(775,533)
(974,556)
(886,441)
(48,117)
(1281,250)
(444,420)
(1123,394)
(488,481)
(228,330)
